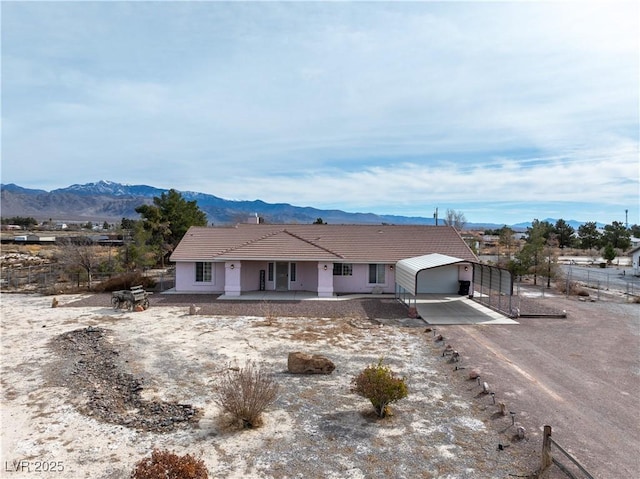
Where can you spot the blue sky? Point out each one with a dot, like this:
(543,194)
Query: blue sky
(506,111)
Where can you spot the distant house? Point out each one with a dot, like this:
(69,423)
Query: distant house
(635,260)
(327,259)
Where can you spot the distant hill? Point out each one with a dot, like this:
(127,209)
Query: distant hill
(110,201)
(573,223)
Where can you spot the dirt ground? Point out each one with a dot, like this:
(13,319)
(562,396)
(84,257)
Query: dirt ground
(579,374)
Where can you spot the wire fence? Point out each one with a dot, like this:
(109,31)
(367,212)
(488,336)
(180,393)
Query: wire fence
(50,277)
(603,281)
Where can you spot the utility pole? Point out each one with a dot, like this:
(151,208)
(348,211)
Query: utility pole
(626,219)
(435,215)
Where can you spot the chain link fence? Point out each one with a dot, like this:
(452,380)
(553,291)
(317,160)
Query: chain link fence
(602,280)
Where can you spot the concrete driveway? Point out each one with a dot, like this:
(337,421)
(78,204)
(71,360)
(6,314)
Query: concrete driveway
(451,309)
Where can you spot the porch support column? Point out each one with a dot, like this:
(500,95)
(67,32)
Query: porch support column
(325,279)
(232,285)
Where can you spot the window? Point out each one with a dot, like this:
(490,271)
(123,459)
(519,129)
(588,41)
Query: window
(342,269)
(270,274)
(376,274)
(292,274)
(203,272)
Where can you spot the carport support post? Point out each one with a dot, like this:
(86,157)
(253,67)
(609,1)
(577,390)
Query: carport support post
(547,458)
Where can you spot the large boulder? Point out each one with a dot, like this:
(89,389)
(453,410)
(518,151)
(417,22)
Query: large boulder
(303,363)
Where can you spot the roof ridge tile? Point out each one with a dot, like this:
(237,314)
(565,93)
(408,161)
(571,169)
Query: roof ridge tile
(251,241)
(314,244)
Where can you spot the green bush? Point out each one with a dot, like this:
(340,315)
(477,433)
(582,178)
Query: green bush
(379,385)
(245,393)
(167,465)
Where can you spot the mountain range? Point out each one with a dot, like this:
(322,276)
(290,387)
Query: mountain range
(110,201)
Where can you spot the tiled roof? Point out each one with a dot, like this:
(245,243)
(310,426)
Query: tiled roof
(336,243)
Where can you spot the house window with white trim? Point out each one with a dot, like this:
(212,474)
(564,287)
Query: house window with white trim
(376,274)
(270,272)
(203,272)
(292,274)
(342,269)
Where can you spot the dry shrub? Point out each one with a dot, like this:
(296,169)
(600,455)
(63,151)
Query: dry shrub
(245,393)
(574,288)
(379,385)
(125,281)
(167,465)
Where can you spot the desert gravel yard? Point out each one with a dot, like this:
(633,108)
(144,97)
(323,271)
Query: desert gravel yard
(164,356)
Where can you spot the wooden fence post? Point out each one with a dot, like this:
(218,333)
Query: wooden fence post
(547,458)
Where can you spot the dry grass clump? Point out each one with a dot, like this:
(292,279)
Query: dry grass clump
(167,465)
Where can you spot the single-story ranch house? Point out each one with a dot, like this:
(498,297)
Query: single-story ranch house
(327,259)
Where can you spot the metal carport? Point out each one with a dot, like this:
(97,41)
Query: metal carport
(407,271)
(448,308)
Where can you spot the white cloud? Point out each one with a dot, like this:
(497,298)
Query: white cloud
(350,105)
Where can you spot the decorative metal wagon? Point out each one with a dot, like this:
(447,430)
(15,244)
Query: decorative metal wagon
(129,299)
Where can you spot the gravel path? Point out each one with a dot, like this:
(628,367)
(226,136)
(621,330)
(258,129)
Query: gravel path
(360,308)
(207,305)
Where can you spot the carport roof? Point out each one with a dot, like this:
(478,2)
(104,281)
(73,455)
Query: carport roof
(407,269)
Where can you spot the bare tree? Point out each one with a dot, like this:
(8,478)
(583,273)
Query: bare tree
(80,253)
(456,219)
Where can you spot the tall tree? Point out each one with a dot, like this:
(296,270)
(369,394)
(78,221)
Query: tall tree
(564,233)
(617,235)
(506,238)
(589,235)
(138,252)
(456,219)
(539,229)
(531,256)
(168,219)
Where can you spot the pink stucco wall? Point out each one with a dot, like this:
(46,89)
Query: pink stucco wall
(358,282)
(307,274)
(186,283)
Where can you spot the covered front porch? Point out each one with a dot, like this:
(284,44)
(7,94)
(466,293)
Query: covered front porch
(286,278)
(298,296)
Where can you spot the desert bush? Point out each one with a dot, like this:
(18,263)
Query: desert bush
(167,465)
(125,281)
(379,385)
(574,288)
(245,393)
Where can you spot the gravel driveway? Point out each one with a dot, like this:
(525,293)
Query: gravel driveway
(580,375)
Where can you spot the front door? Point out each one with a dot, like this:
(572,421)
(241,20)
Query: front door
(282,276)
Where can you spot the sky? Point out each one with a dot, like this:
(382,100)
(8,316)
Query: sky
(504,111)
